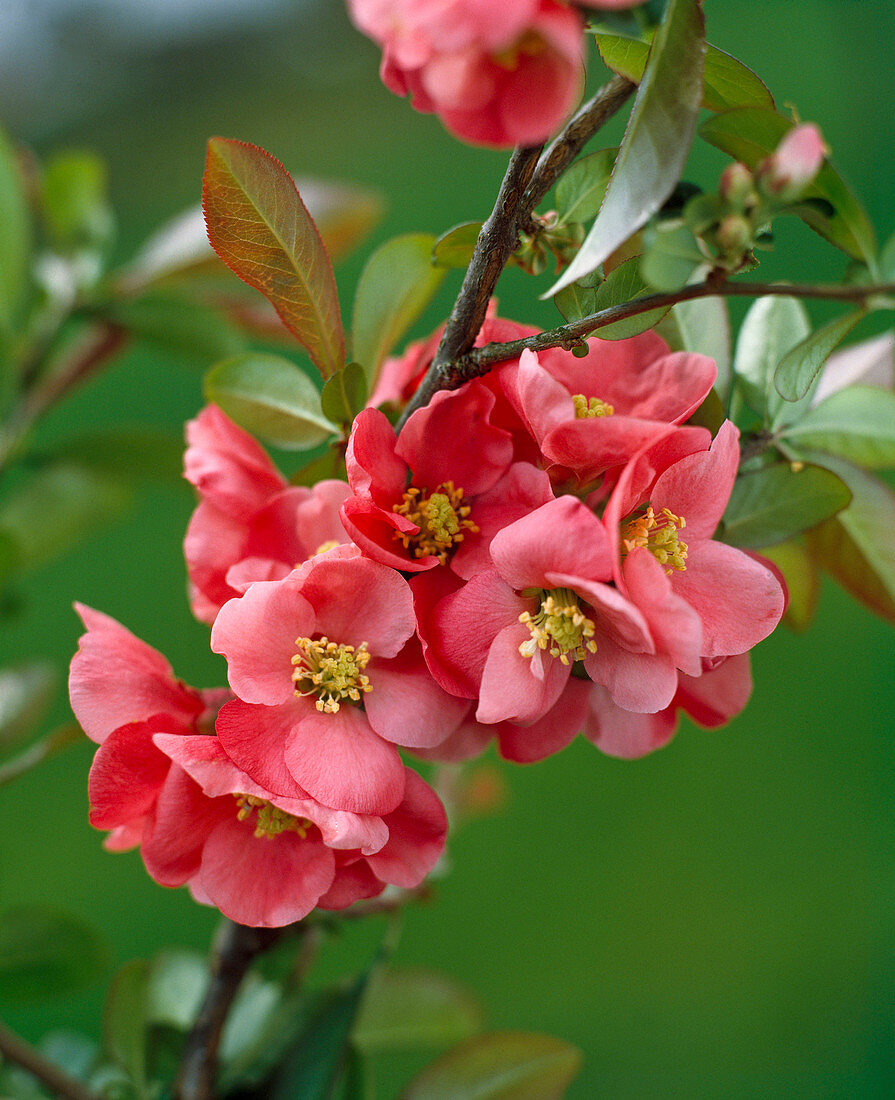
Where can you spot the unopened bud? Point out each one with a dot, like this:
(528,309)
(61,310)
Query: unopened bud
(736,184)
(793,165)
(735,235)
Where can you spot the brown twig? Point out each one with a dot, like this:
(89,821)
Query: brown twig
(14,1049)
(529,176)
(479,361)
(236,948)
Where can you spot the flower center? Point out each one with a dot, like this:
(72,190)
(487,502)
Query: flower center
(659,534)
(585,407)
(529,44)
(330,671)
(270,821)
(330,544)
(559,627)
(441,517)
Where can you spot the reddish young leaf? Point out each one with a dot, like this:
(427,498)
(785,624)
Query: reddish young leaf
(259,226)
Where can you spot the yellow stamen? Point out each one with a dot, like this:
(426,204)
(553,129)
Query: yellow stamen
(332,672)
(270,820)
(585,408)
(529,44)
(330,544)
(441,517)
(659,534)
(559,627)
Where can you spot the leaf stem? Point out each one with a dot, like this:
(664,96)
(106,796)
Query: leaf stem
(235,949)
(479,361)
(15,1049)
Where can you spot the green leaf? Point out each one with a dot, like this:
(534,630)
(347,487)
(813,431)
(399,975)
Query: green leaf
(727,83)
(261,229)
(330,464)
(261,1026)
(270,397)
(670,257)
(749,134)
(58,506)
(409,1009)
(73,1052)
(15,236)
(799,368)
(624,284)
(26,692)
(582,186)
(176,984)
(576,301)
(856,546)
(397,283)
(75,201)
(188,328)
(501,1065)
(800,574)
(887,261)
(704,327)
(770,329)
(124,1022)
(455,247)
(47,953)
(134,452)
(654,149)
(774,503)
(345,394)
(312,1067)
(857,423)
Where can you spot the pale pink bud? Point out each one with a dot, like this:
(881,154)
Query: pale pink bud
(796,161)
(736,184)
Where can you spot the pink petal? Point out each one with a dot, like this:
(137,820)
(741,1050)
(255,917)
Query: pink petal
(340,761)
(625,733)
(127,773)
(717,695)
(641,682)
(674,625)
(374,530)
(352,883)
(264,882)
(515,688)
(739,600)
(417,829)
(255,739)
(557,729)
(178,826)
(374,470)
(698,486)
(227,465)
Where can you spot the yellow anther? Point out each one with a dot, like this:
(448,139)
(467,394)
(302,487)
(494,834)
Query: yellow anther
(529,44)
(332,672)
(442,520)
(590,407)
(330,544)
(559,627)
(270,820)
(659,534)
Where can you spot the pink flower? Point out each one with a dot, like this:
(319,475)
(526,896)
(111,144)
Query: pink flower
(438,492)
(249,524)
(263,860)
(591,414)
(496,74)
(123,692)
(329,678)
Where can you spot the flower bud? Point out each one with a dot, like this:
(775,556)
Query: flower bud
(735,235)
(736,184)
(792,167)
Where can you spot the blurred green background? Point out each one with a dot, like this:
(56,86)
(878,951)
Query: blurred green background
(715,920)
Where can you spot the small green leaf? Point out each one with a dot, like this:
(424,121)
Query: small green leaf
(501,1065)
(802,583)
(856,546)
(259,226)
(857,423)
(313,1065)
(270,397)
(887,261)
(175,987)
(409,1009)
(670,257)
(576,301)
(775,503)
(26,692)
(345,394)
(261,1026)
(704,327)
(749,134)
(331,464)
(73,1052)
(455,247)
(770,329)
(58,506)
(15,235)
(188,328)
(581,188)
(397,283)
(75,201)
(654,149)
(124,1022)
(625,284)
(727,83)
(799,368)
(47,953)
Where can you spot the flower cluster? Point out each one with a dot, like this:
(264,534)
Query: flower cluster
(529,557)
(496,72)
